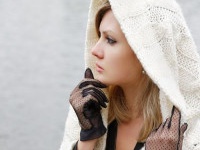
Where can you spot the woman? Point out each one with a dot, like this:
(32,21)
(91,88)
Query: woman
(143,52)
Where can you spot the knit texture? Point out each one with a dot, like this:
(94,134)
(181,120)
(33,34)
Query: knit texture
(158,34)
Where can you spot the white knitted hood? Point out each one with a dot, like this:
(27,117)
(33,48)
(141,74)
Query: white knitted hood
(158,34)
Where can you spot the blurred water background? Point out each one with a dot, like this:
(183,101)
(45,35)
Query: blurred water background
(41,60)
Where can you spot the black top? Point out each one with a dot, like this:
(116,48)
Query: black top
(111,137)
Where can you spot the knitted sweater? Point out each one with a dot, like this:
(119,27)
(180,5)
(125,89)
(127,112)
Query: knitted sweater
(157,32)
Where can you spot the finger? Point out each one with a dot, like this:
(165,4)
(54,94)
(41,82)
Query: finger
(159,130)
(92,82)
(99,95)
(102,103)
(166,123)
(175,118)
(98,92)
(156,130)
(182,130)
(89,74)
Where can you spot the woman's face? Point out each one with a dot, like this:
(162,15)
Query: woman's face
(116,63)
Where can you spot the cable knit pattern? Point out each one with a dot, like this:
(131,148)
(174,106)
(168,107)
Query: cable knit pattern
(158,34)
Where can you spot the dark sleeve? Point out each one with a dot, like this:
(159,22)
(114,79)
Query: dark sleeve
(75,146)
(111,136)
(139,146)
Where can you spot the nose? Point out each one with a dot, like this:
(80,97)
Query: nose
(97,50)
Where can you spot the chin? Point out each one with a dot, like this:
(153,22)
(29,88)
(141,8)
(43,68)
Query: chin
(102,80)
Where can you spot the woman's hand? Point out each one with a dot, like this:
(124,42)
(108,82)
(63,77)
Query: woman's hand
(169,136)
(87,99)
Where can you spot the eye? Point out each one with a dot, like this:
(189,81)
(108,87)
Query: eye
(110,40)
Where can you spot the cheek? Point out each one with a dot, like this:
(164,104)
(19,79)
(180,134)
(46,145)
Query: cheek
(121,65)
(127,68)
(113,72)
(119,68)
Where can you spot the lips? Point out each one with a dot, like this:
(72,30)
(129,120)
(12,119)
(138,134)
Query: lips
(99,68)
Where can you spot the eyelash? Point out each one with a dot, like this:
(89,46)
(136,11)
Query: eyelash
(110,40)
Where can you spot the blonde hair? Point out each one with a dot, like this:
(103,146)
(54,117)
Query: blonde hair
(149,103)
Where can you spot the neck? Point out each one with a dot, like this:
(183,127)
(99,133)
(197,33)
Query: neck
(133,96)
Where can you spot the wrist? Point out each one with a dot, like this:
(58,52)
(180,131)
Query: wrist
(86,145)
(93,133)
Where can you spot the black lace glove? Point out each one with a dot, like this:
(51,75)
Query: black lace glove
(87,99)
(169,136)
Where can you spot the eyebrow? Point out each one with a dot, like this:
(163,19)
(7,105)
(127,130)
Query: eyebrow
(108,31)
